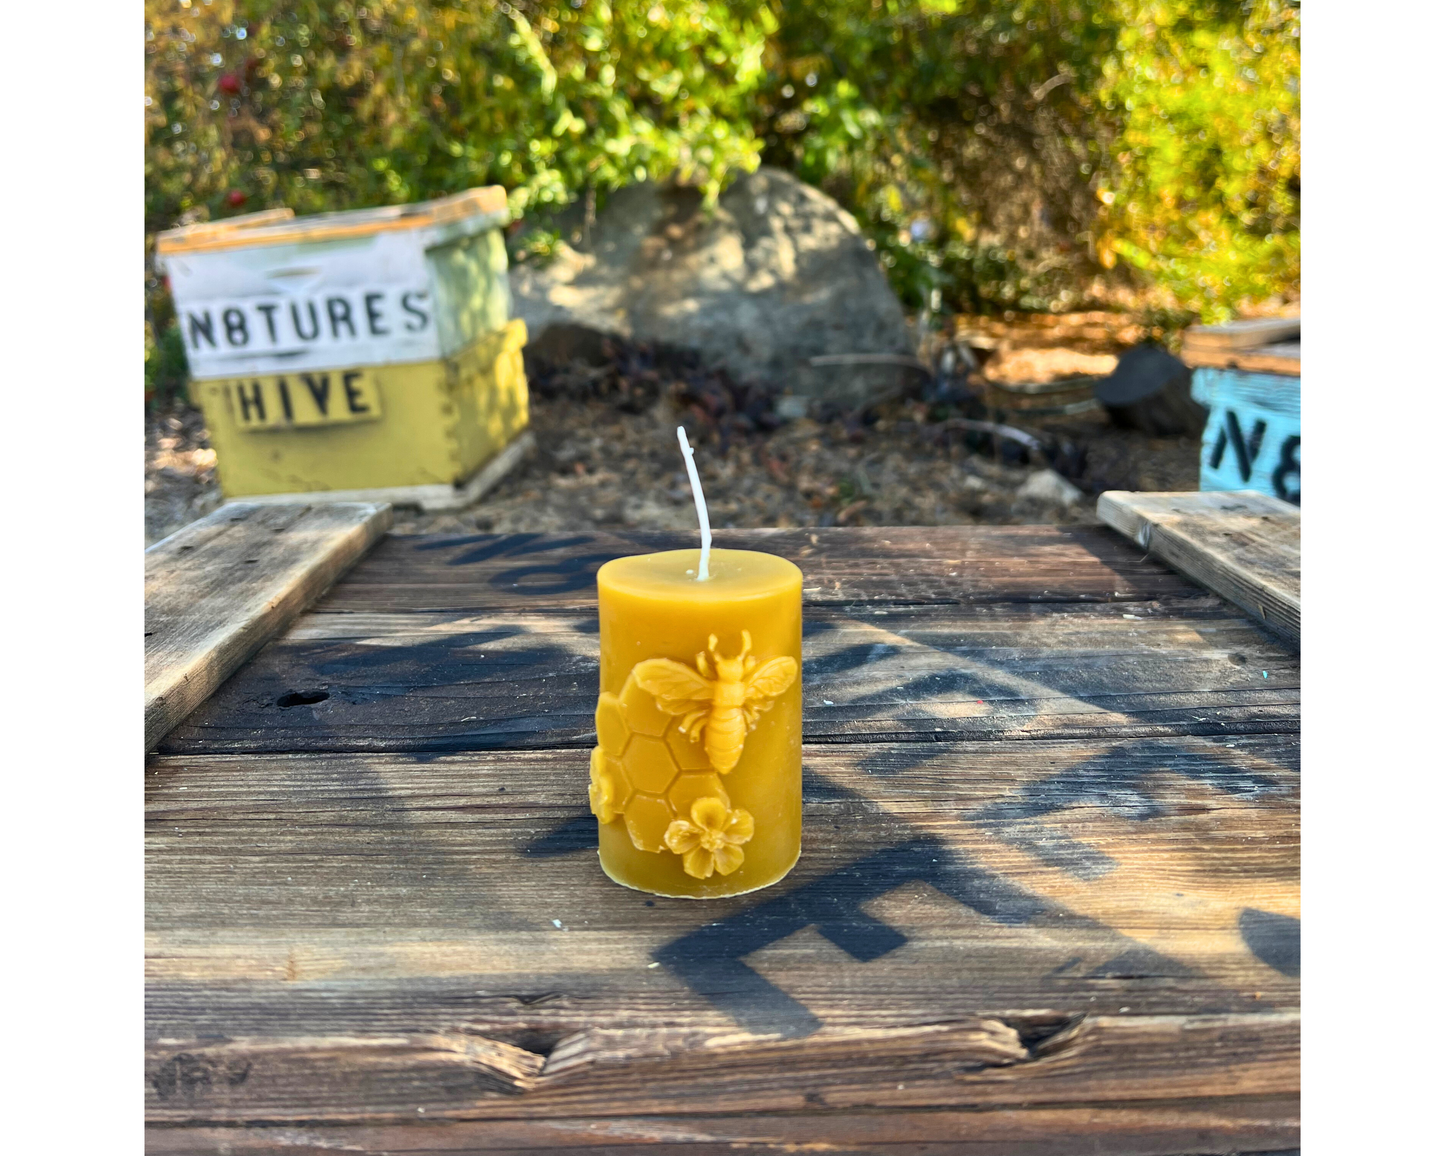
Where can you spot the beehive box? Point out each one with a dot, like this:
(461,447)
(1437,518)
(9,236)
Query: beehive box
(1248,374)
(362,355)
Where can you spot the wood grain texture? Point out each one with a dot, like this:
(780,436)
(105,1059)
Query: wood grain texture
(1241,544)
(1048,899)
(1224,1126)
(451,680)
(1282,358)
(412,907)
(274,227)
(1259,345)
(219,589)
(1249,334)
(898,565)
(1115,1059)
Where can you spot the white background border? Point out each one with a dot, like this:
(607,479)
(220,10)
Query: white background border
(73,770)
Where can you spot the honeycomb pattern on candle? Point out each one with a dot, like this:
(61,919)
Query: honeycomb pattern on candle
(645,771)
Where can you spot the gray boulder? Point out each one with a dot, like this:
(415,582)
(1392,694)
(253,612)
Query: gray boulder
(777,274)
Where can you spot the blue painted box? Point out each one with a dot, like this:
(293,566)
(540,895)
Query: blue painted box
(1252,439)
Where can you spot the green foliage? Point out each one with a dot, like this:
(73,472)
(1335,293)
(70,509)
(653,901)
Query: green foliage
(957,130)
(326,106)
(166,371)
(1005,154)
(536,246)
(1204,192)
(999,155)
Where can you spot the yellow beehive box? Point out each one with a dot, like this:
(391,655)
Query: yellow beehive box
(363,355)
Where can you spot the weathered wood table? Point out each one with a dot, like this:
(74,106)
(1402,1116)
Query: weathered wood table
(1048,900)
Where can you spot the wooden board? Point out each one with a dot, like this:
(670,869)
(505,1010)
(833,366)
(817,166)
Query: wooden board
(1242,544)
(283,227)
(1250,334)
(1048,899)
(1244,1126)
(897,565)
(450,680)
(219,589)
(432,915)
(1282,358)
(509,659)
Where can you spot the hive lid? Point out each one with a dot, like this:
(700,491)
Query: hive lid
(1259,345)
(282,226)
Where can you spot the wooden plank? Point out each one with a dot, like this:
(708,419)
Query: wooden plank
(1113,1059)
(1243,1125)
(1248,334)
(450,680)
(1282,358)
(219,589)
(1086,939)
(1241,544)
(375,934)
(905,565)
(287,229)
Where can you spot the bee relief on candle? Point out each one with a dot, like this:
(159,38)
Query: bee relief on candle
(663,778)
(721,706)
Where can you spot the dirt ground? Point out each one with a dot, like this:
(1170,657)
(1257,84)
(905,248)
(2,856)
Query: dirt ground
(607,452)
(180,471)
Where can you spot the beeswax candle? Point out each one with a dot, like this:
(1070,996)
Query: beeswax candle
(696,780)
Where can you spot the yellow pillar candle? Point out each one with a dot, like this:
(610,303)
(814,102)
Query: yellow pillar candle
(697,779)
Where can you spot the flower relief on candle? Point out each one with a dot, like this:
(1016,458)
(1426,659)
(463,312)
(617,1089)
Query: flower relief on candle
(668,740)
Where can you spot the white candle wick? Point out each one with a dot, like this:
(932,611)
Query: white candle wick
(699,501)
